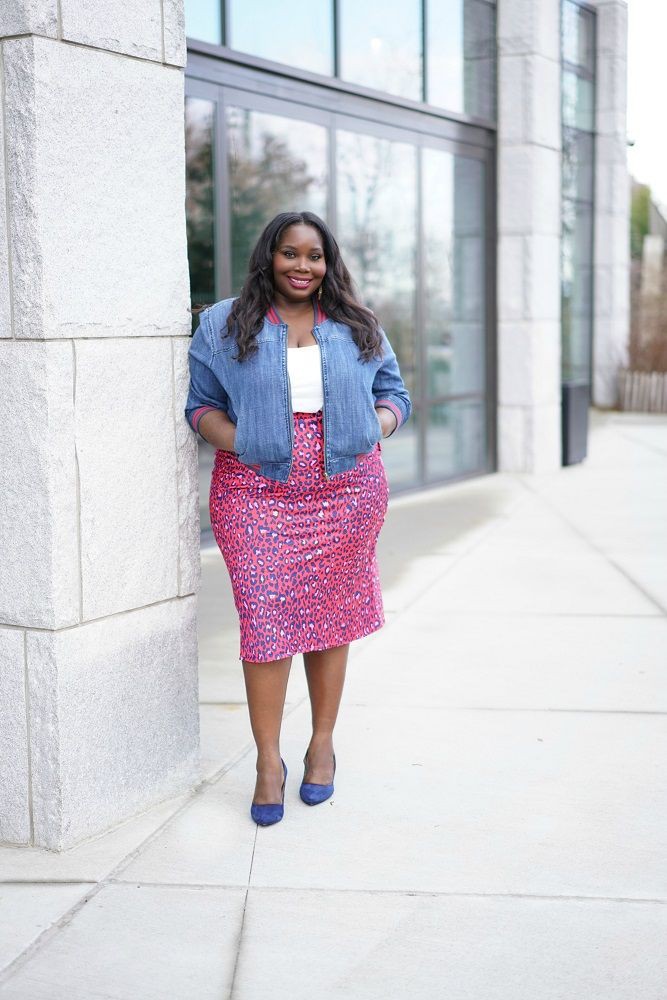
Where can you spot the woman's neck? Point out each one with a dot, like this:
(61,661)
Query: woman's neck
(292,310)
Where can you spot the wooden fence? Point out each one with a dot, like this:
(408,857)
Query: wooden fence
(643,391)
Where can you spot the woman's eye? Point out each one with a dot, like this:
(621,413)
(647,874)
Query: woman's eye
(316,256)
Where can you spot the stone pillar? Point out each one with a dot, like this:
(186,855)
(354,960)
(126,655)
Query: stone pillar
(99,548)
(611,240)
(529,177)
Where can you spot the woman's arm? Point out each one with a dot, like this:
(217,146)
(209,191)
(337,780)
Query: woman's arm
(392,401)
(388,420)
(207,402)
(216,428)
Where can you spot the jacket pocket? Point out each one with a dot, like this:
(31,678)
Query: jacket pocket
(240,446)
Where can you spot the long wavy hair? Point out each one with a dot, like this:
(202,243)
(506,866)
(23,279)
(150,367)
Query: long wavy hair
(338,299)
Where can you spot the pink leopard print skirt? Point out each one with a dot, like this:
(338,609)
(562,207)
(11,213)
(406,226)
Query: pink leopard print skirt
(301,554)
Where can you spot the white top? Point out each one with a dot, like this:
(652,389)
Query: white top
(304,368)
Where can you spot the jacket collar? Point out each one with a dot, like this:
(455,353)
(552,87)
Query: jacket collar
(273,316)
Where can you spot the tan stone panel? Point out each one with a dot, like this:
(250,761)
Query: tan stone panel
(187,476)
(126,454)
(134,28)
(21,17)
(14,767)
(175,51)
(114,720)
(96,183)
(5,307)
(39,562)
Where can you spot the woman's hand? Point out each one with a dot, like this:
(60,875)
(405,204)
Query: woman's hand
(387,420)
(218,430)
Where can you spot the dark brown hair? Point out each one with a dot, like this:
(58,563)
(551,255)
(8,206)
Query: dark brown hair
(338,299)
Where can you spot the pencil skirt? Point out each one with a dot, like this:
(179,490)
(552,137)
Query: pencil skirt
(301,554)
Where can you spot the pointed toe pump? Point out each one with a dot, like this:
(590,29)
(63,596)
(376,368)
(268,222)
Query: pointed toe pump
(267,813)
(313,794)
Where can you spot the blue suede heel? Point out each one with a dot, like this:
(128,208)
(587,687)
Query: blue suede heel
(313,794)
(270,812)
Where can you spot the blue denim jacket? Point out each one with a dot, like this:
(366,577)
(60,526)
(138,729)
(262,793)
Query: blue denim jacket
(255,393)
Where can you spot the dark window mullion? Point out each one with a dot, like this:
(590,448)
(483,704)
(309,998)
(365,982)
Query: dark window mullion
(424,51)
(336,38)
(224,22)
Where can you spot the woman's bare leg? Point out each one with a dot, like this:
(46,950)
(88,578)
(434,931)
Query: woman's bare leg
(266,686)
(325,673)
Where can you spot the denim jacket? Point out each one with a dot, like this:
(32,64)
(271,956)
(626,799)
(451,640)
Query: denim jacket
(255,393)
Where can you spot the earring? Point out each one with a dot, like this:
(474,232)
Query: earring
(319,292)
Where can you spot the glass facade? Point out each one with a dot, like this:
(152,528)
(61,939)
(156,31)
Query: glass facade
(302,37)
(442,52)
(200,198)
(407,197)
(461,56)
(578,102)
(380,45)
(273,162)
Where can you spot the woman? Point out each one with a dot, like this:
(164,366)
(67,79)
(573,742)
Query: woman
(294,382)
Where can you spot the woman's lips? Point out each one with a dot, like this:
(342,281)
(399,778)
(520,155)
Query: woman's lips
(298,282)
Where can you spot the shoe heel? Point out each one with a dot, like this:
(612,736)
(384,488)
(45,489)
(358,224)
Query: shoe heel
(310,792)
(268,813)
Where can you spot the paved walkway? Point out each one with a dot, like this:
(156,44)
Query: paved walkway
(498,828)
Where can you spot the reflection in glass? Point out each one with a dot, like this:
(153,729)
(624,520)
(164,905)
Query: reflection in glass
(202,20)
(578,36)
(380,45)
(455,439)
(453,274)
(377,202)
(577,164)
(578,106)
(576,291)
(199,198)
(200,223)
(461,63)
(300,37)
(578,143)
(276,165)
(400,454)
(377,197)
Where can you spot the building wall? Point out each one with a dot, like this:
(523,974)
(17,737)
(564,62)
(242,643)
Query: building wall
(99,559)
(528,291)
(611,240)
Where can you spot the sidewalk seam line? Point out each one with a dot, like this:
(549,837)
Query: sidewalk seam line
(591,544)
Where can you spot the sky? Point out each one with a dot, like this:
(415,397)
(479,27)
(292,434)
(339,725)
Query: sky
(647,95)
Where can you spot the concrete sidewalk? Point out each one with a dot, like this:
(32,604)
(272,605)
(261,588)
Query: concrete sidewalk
(498,830)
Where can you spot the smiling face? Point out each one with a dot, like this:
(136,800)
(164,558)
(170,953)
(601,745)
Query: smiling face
(298,264)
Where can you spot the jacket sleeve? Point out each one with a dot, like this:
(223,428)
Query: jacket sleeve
(205,392)
(388,387)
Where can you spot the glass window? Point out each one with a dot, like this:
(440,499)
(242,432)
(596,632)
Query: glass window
(454,282)
(400,454)
(377,207)
(577,165)
(380,45)
(461,62)
(578,36)
(200,227)
(578,143)
(577,291)
(455,438)
(200,198)
(276,165)
(203,21)
(578,102)
(430,296)
(301,37)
